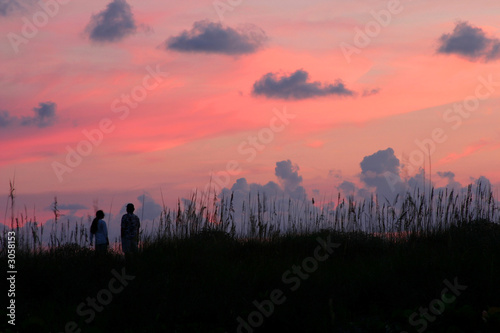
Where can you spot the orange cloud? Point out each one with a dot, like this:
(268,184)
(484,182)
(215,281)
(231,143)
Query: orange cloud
(467,151)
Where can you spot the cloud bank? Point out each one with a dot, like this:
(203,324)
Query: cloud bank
(380,175)
(289,184)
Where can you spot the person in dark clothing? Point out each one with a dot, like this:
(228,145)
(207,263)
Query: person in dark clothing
(130,233)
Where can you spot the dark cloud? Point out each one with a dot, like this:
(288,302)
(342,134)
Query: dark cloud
(470,42)
(242,188)
(112,24)
(278,204)
(290,185)
(369,92)
(149,209)
(451,182)
(240,185)
(482,181)
(336,174)
(381,171)
(418,182)
(72,208)
(288,176)
(347,187)
(209,37)
(273,200)
(271,189)
(380,162)
(6,119)
(11,7)
(8,6)
(448,174)
(45,115)
(296,86)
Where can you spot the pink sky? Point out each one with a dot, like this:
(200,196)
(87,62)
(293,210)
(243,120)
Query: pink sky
(195,119)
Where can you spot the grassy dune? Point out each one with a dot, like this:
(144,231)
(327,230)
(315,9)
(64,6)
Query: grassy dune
(423,264)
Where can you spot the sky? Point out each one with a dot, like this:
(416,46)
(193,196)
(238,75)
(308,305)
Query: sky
(108,102)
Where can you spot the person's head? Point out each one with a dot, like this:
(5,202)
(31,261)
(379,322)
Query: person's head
(130,208)
(99,214)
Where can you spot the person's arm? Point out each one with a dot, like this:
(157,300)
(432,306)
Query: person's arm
(138,227)
(105,232)
(91,239)
(104,229)
(123,226)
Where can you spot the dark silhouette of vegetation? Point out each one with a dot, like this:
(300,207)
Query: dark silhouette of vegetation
(197,273)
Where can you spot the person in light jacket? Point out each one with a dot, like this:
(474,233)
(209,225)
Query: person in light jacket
(99,231)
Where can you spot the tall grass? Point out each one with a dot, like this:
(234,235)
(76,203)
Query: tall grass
(262,217)
(204,262)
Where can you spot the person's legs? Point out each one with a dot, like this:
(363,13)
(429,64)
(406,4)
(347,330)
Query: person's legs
(125,245)
(131,255)
(126,248)
(100,259)
(133,246)
(101,249)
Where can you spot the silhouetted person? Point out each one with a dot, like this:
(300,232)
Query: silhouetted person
(99,231)
(130,234)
